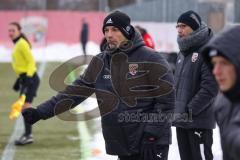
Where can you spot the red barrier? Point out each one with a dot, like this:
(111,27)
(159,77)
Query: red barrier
(52,26)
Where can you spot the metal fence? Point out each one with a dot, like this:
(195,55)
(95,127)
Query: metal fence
(141,10)
(169,10)
(215,13)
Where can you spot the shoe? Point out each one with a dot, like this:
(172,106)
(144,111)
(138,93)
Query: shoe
(24,139)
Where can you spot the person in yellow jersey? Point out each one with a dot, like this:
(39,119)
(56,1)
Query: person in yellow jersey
(27,83)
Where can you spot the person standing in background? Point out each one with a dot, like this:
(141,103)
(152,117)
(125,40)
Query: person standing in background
(84,36)
(146,37)
(196,90)
(28,81)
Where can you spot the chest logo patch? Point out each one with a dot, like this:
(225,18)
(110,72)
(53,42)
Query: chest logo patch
(194,57)
(133,68)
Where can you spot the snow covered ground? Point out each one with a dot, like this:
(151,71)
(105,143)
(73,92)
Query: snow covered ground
(62,52)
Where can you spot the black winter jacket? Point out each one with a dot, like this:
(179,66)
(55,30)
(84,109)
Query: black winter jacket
(122,105)
(227,115)
(196,90)
(227,105)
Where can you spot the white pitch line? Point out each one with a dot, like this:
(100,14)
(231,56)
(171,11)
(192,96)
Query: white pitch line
(9,150)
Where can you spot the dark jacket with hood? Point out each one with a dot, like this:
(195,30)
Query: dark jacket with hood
(116,76)
(196,87)
(227,105)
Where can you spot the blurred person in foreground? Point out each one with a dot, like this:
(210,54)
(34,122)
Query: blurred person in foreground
(27,83)
(146,37)
(123,77)
(222,54)
(196,90)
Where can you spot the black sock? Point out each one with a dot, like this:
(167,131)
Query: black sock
(28,128)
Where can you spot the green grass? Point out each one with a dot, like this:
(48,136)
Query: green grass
(7,96)
(51,136)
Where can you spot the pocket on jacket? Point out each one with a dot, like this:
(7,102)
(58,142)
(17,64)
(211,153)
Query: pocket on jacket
(115,140)
(133,133)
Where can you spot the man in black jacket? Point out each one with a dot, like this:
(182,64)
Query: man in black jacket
(195,90)
(223,56)
(134,88)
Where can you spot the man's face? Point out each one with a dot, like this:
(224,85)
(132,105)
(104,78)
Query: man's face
(183,30)
(224,72)
(113,36)
(13,32)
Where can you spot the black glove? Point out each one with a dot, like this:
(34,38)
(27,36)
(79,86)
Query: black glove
(16,85)
(31,115)
(148,147)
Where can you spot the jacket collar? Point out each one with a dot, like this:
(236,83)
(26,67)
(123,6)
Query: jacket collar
(16,39)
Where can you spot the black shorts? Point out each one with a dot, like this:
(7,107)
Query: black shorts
(30,88)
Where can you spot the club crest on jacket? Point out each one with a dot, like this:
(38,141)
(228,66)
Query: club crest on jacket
(133,69)
(194,57)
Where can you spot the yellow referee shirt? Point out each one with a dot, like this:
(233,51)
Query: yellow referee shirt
(22,58)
